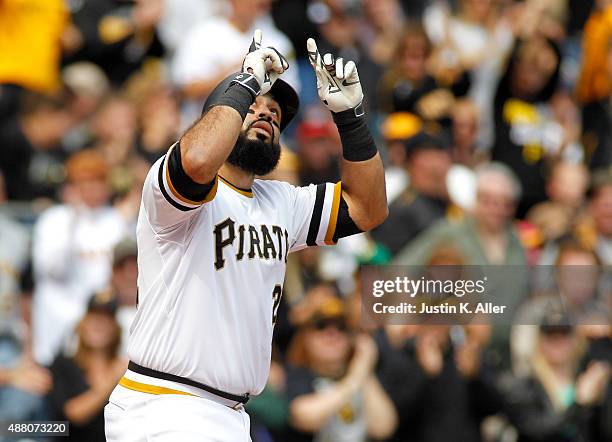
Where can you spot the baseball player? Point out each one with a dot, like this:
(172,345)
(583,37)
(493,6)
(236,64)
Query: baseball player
(213,244)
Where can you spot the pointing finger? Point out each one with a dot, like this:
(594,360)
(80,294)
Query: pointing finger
(340,68)
(257,38)
(350,71)
(313,53)
(329,62)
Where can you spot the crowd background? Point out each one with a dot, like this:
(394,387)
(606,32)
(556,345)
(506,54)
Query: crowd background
(494,119)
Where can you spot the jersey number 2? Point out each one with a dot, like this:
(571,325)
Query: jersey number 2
(277,294)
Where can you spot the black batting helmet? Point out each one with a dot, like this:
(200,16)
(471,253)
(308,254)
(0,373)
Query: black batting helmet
(283,93)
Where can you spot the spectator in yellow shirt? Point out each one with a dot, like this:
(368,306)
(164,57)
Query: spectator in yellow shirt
(30,46)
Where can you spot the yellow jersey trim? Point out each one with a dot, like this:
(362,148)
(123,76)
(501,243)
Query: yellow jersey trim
(247,193)
(333,216)
(150,389)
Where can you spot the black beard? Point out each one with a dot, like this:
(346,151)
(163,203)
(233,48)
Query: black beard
(256,156)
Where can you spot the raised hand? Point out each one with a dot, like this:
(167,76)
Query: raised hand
(338,82)
(591,384)
(364,359)
(265,64)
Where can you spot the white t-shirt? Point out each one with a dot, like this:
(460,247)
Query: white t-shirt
(213,45)
(181,15)
(72,257)
(211,273)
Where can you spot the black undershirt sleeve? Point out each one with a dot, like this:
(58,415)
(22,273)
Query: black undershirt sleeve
(345,226)
(183,184)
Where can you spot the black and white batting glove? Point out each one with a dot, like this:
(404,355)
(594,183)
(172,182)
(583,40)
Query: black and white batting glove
(338,82)
(264,65)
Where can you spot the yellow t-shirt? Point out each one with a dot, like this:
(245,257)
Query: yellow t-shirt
(30,47)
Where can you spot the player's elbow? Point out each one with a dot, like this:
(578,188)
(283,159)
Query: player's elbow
(197,164)
(373,218)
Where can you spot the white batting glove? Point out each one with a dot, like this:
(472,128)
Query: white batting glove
(265,64)
(338,83)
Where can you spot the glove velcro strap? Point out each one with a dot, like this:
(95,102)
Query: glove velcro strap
(237,95)
(357,141)
(249,82)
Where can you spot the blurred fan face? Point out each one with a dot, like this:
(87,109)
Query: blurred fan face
(601,208)
(534,67)
(317,153)
(327,341)
(558,348)
(414,57)
(568,185)
(93,193)
(251,8)
(427,169)
(125,276)
(465,127)
(98,330)
(495,204)
(116,120)
(159,117)
(477,10)
(577,276)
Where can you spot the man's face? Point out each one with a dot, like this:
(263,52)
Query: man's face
(601,209)
(495,203)
(263,120)
(251,8)
(257,149)
(93,192)
(428,168)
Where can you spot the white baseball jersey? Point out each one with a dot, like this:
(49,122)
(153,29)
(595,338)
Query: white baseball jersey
(211,274)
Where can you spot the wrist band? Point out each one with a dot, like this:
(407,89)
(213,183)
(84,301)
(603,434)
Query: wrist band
(240,94)
(249,82)
(357,141)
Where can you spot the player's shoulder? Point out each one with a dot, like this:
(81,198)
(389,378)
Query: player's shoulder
(275,187)
(272,184)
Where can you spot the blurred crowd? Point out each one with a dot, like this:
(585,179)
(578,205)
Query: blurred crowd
(494,119)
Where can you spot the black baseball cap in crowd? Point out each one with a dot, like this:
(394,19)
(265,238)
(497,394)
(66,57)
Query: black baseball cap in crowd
(286,97)
(556,322)
(424,141)
(103,301)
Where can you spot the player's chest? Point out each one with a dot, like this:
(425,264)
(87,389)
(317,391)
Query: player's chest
(245,233)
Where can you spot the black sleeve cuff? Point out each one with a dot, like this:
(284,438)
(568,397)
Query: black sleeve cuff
(182,183)
(345,225)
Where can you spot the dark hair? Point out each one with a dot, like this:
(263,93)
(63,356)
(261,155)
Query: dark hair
(32,102)
(570,243)
(412,29)
(504,85)
(82,353)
